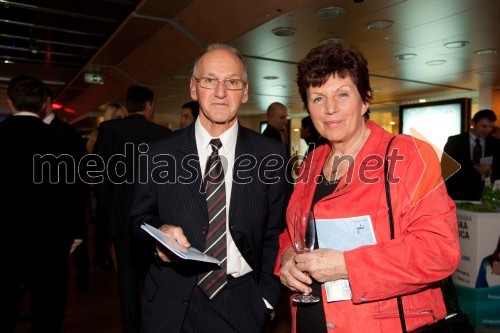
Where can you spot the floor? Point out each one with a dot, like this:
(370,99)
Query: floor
(97,310)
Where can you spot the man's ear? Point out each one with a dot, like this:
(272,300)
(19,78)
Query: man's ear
(192,89)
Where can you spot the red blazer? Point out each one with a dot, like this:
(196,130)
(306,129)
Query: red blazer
(425,248)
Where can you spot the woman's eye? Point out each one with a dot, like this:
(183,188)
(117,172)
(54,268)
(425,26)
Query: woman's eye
(343,95)
(317,100)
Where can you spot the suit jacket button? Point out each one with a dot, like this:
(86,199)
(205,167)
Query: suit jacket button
(204,230)
(185,301)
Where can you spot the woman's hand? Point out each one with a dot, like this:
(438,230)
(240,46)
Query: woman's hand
(177,234)
(290,276)
(322,264)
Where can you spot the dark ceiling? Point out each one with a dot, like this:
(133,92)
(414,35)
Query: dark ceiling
(154,42)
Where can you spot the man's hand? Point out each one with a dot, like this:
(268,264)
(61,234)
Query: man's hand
(75,244)
(177,234)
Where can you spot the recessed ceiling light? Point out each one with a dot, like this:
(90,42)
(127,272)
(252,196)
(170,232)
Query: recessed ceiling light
(435,62)
(406,56)
(284,31)
(486,51)
(270,77)
(456,45)
(279,86)
(485,72)
(332,40)
(422,100)
(330,12)
(380,25)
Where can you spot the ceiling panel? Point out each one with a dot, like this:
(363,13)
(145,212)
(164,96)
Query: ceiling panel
(154,42)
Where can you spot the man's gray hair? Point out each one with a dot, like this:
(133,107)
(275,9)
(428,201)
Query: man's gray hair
(222,46)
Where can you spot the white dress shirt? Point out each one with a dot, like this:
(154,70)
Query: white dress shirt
(236,264)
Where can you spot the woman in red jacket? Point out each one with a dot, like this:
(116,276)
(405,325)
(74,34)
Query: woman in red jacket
(343,179)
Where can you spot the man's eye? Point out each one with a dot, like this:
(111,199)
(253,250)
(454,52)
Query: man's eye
(209,80)
(233,82)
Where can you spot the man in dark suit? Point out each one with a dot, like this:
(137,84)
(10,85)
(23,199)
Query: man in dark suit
(37,174)
(178,198)
(80,255)
(119,144)
(277,120)
(468,182)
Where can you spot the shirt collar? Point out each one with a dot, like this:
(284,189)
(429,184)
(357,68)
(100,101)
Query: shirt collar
(228,138)
(26,113)
(49,118)
(473,138)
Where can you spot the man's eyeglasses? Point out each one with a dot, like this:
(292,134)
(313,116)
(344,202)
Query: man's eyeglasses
(211,83)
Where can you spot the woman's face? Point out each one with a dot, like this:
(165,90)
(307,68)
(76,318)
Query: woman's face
(337,109)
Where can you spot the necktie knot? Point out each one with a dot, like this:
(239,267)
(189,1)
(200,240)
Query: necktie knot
(216,144)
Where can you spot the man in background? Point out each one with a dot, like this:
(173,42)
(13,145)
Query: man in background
(277,121)
(189,113)
(38,194)
(80,255)
(118,144)
(478,154)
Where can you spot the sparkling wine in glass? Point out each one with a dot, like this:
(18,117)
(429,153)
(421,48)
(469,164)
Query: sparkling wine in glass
(305,236)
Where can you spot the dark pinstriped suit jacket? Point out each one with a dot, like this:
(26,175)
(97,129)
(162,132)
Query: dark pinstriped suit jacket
(173,197)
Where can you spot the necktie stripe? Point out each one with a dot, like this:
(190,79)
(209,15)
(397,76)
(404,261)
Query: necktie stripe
(213,282)
(216,243)
(216,227)
(221,199)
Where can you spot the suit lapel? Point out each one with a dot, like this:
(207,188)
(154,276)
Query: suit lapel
(243,146)
(187,147)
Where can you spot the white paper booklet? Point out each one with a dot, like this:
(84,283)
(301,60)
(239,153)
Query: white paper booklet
(343,235)
(171,244)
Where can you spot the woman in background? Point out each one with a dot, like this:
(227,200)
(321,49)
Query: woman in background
(113,111)
(102,245)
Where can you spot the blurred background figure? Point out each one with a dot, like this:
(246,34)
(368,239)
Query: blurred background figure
(113,111)
(309,134)
(189,113)
(39,229)
(478,154)
(80,255)
(277,121)
(115,194)
(102,245)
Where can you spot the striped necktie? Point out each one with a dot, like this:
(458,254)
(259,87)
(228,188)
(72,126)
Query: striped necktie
(477,152)
(213,281)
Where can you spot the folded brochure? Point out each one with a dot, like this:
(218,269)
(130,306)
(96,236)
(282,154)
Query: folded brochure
(343,235)
(179,250)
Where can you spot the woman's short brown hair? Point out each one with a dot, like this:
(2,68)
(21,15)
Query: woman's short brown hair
(333,59)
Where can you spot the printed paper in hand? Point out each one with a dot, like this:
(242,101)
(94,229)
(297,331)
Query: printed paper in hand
(180,251)
(343,235)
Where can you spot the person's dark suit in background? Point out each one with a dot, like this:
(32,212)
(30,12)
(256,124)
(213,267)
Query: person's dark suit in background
(39,230)
(277,120)
(173,200)
(80,255)
(468,182)
(118,143)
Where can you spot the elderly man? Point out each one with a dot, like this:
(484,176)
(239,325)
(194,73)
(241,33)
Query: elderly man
(233,211)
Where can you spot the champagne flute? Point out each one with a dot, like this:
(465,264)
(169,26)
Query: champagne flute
(305,237)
